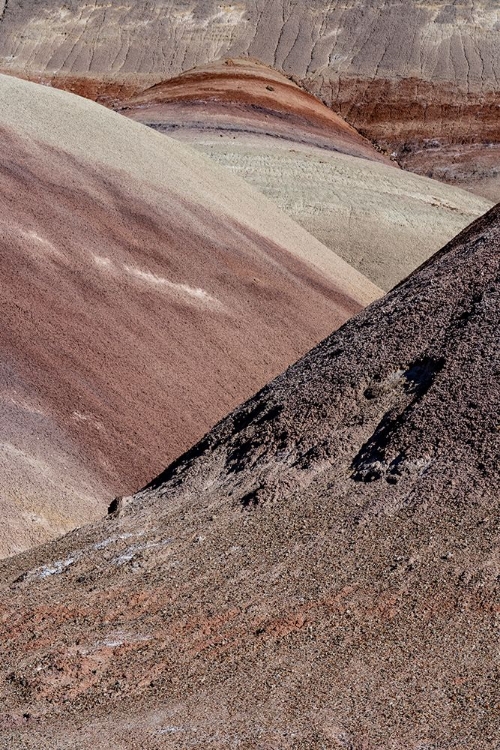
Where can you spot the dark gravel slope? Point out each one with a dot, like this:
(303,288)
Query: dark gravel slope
(321,571)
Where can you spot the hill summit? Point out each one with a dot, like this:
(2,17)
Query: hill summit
(320,571)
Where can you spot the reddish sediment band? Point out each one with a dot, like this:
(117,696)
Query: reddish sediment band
(262,98)
(144,295)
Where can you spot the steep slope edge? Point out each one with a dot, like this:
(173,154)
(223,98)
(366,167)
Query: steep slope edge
(130,264)
(320,571)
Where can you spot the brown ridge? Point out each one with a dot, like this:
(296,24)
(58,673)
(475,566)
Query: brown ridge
(138,306)
(321,570)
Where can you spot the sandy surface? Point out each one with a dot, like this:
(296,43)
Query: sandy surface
(320,571)
(145,293)
(402,71)
(380,219)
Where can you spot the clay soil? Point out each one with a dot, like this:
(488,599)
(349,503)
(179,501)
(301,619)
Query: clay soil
(400,71)
(258,124)
(144,295)
(320,571)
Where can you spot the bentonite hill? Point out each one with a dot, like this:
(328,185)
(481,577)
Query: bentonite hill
(193,193)
(249,118)
(418,76)
(320,571)
(144,293)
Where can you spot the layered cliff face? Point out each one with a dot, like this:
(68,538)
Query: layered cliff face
(138,280)
(321,570)
(319,170)
(401,72)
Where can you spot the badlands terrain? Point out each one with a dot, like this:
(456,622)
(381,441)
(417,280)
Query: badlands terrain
(247,117)
(320,571)
(141,251)
(417,76)
(145,293)
(193,196)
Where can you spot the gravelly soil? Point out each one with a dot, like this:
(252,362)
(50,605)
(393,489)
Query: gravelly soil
(320,571)
(145,292)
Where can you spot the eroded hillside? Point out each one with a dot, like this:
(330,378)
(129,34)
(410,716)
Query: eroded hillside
(413,75)
(261,126)
(320,571)
(145,293)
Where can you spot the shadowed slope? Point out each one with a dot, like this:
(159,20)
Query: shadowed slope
(249,118)
(405,72)
(320,571)
(138,280)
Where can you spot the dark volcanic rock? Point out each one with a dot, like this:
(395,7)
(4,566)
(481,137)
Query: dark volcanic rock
(406,383)
(320,571)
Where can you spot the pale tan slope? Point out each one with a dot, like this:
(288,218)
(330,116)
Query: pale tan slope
(382,220)
(472,166)
(87,130)
(403,71)
(144,292)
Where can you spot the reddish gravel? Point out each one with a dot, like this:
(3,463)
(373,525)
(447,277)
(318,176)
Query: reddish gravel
(320,571)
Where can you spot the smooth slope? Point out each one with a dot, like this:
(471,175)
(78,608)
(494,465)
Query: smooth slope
(412,74)
(244,96)
(145,293)
(320,571)
(260,125)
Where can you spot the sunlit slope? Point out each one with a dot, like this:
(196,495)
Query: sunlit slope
(381,219)
(420,77)
(145,292)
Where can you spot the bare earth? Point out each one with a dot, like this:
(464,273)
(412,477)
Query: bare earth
(320,571)
(475,167)
(254,121)
(145,293)
(402,71)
